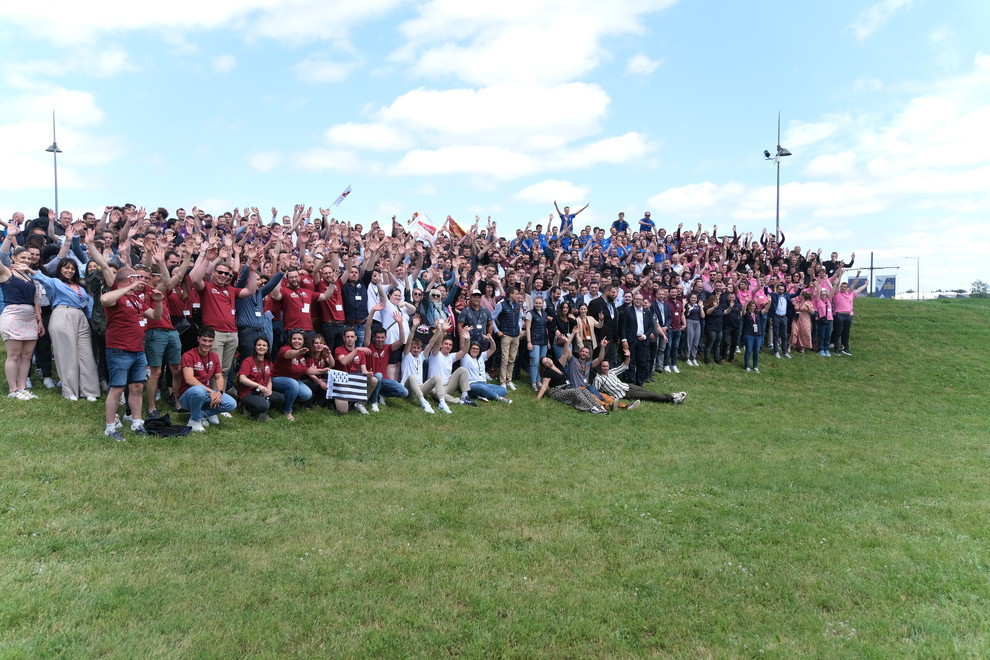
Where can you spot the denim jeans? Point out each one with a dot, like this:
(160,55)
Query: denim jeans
(824,334)
(535,355)
(673,345)
(487,390)
(779,333)
(753,343)
(387,388)
(196,400)
(292,390)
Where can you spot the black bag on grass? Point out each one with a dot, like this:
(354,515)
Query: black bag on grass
(164,428)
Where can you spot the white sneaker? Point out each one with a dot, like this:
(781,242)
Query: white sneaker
(116,422)
(679,397)
(667,368)
(27,396)
(445,408)
(748,369)
(196,425)
(504,400)
(227,415)
(49,383)
(361,409)
(91,399)
(756,369)
(536,387)
(213,419)
(510,385)
(634,405)
(381,402)
(27,384)
(788,356)
(72,397)
(427,408)
(375,408)
(777,355)
(675,369)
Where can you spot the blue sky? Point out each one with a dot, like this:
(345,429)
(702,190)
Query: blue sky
(446,107)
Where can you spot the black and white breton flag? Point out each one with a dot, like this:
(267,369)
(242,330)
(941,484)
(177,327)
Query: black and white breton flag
(347,387)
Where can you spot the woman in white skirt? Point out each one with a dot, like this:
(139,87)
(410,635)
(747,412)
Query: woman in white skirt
(20,322)
(69,329)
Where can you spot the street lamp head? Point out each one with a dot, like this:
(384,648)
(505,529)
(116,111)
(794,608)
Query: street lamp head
(766,154)
(782,152)
(53,149)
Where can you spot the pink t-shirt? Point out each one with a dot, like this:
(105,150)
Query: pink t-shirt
(844,301)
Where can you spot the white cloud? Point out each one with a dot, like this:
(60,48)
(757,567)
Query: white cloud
(224,63)
(519,115)
(876,16)
(642,65)
(374,137)
(800,134)
(98,63)
(531,41)
(545,192)
(26,129)
(500,132)
(264,161)
(319,68)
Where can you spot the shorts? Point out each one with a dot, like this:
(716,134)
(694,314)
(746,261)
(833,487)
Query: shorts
(162,347)
(126,367)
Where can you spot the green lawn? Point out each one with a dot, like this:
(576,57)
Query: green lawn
(827,507)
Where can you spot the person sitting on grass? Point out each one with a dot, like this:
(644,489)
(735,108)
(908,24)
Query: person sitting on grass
(474,364)
(413,358)
(442,361)
(380,356)
(255,379)
(353,359)
(607,381)
(554,384)
(202,392)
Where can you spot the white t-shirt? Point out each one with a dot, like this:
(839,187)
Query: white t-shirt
(413,366)
(475,368)
(441,365)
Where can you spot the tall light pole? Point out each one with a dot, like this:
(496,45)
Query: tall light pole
(781,152)
(55,151)
(918,260)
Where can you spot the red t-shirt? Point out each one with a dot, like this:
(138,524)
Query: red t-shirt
(126,322)
(297,308)
(218,306)
(294,368)
(204,367)
(378,360)
(331,309)
(165,322)
(355,366)
(259,373)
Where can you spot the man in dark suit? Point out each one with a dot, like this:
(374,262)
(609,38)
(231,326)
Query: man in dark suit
(604,310)
(638,326)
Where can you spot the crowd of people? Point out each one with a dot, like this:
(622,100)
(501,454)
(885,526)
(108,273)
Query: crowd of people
(209,313)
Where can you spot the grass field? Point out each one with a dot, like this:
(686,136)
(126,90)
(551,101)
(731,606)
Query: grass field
(826,507)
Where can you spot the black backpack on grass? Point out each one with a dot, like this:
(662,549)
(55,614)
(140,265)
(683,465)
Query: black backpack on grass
(164,428)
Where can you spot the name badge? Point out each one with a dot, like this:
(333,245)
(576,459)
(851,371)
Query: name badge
(358,298)
(305,308)
(258,314)
(186,312)
(143,322)
(196,305)
(756,328)
(339,308)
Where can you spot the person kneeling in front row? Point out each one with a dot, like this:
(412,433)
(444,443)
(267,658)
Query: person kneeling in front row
(202,384)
